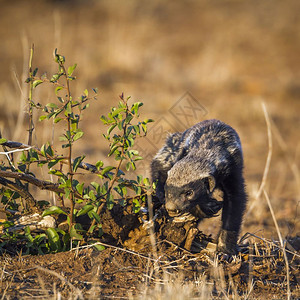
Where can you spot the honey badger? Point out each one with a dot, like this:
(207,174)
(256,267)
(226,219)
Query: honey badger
(191,165)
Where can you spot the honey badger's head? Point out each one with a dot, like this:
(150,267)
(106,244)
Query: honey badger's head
(189,194)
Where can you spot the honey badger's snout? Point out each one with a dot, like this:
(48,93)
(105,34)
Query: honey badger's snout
(205,209)
(172,208)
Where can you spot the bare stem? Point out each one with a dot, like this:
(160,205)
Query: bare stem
(70,148)
(30,110)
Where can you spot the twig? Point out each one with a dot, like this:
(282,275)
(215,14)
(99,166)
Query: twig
(43,185)
(16,150)
(82,165)
(282,245)
(118,248)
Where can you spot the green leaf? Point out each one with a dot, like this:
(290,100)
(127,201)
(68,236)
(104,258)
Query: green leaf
(57,89)
(53,239)
(146,181)
(136,129)
(79,188)
(92,195)
(74,232)
(113,149)
(93,215)
(43,150)
(86,92)
(52,105)
(77,162)
(148,121)
(135,107)
(53,210)
(56,172)
(63,138)
(107,169)
(84,210)
(104,119)
(98,247)
(117,111)
(34,71)
(28,234)
(86,106)
(36,83)
(137,158)
(111,128)
(56,120)
(65,146)
(99,164)
(23,157)
(2,141)
(41,118)
(71,69)
(51,115)
(136,205)
(139,179)
(78,135)
(96,186)
(68,109)
(49,151)
(52,163)
(110,201)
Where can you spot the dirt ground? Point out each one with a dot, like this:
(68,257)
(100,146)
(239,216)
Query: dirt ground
(153,264)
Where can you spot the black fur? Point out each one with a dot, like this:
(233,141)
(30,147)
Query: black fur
(194,163)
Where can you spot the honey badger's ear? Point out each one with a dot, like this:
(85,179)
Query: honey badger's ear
(210,183)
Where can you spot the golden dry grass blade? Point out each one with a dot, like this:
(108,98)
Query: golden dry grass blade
(269,156)
(282,245)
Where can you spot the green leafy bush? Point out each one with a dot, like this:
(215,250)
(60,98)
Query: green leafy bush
(111,185)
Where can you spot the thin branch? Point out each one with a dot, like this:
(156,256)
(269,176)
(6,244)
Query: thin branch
(16,150)
(30,110)
(43,185)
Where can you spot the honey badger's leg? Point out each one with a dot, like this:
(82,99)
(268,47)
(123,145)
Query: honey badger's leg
(233,210)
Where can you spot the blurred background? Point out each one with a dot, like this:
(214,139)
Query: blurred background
(186,61)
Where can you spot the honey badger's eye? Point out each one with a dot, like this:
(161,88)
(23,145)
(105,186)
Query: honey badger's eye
(189,193)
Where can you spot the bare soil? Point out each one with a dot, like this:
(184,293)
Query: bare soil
(132,264)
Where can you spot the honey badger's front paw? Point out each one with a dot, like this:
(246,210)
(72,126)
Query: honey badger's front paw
(227,242)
